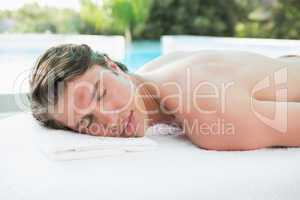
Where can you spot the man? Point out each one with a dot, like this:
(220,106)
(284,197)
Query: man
(223,100)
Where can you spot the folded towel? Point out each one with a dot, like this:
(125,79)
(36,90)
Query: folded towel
(67,145)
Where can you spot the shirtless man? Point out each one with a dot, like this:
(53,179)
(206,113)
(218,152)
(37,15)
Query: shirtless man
(223,100)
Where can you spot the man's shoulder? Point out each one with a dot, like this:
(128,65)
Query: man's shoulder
(162,61)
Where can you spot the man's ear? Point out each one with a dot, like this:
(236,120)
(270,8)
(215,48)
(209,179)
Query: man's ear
(111,64)
(113,67)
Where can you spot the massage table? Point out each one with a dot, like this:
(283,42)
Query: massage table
(176,169)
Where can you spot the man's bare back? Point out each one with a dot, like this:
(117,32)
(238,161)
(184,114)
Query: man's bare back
(230,100)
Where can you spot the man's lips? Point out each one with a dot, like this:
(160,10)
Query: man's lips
(127,123)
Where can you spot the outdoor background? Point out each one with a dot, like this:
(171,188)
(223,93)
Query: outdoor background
(142,22)
(149,19)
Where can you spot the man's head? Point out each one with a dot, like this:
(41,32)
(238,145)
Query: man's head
(73,87)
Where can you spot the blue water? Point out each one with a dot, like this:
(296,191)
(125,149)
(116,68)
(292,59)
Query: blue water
(142,52)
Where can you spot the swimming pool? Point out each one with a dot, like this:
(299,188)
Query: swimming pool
(141,52)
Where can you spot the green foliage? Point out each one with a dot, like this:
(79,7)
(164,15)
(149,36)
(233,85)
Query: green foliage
(129,15)
(123,12)
(92,17)
(286,21)
(280,19)
(153,18)
(113,16)
(199,17)
(239,18)
(33,18)
(5,14)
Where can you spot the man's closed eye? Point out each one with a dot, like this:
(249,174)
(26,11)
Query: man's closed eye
(99,97)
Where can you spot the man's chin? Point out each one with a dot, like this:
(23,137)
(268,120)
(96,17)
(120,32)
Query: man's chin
(142,130)
(140,134)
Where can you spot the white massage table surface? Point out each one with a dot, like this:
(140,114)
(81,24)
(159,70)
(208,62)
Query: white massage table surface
(175,170)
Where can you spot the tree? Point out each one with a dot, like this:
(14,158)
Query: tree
(129,14)
(153,18)
(199,17)
(33,18)
(269,19)
(286,20)
(92,17)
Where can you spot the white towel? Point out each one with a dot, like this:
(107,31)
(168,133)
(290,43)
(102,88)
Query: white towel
(67,145)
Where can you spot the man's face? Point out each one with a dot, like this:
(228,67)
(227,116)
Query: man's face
(102,102)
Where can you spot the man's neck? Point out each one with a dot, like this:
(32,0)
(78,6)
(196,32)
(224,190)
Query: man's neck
(150,93)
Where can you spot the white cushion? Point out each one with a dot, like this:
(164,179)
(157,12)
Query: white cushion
(175,170)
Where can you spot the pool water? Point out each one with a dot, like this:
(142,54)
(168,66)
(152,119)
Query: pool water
(141,52)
